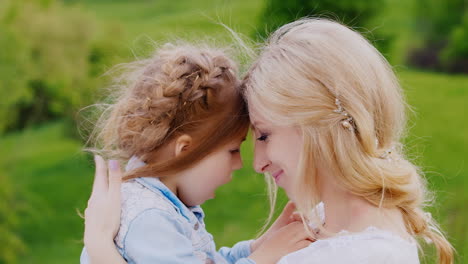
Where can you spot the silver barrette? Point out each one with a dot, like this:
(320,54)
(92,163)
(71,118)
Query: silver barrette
(387,155)
(348,121)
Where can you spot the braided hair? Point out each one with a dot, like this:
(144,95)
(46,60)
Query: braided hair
(181,89)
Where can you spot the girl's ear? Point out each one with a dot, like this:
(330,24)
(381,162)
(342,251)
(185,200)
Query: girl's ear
(182,144)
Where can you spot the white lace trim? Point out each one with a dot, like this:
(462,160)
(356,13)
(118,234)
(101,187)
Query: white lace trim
(373,245)
(372,232)
(317,212)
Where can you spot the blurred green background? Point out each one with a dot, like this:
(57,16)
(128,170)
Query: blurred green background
(53,60)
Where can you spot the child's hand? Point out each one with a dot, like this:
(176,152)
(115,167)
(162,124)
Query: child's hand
(102,216)
(286,217)
(287,239)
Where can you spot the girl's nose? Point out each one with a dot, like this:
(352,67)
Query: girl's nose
(238,164)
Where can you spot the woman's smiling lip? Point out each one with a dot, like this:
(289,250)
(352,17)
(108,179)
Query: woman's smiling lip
(277,174)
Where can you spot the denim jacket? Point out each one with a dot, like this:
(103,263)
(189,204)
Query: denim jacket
(156,227)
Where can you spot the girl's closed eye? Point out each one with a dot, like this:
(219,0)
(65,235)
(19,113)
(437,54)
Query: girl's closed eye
(234,151)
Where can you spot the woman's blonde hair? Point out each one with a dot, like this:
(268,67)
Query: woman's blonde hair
(332,83)
(181,89)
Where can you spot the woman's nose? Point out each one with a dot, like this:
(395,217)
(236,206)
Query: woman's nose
(261,161)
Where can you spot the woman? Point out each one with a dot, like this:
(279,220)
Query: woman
(329,115)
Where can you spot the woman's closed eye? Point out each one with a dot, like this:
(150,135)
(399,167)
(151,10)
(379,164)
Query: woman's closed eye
(263,137)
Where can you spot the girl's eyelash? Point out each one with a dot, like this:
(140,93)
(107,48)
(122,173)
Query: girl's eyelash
(262,137)
(235,151)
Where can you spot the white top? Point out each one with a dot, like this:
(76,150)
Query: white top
(372,246)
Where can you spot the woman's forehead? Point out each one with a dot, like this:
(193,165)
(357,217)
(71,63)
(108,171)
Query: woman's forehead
(255,116)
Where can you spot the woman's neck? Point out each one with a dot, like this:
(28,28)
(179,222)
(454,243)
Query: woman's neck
(346,211)
(341,208)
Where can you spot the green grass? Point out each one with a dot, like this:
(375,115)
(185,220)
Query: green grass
(54,177)
(438,139)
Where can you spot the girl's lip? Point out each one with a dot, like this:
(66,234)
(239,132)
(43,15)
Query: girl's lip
(276,175)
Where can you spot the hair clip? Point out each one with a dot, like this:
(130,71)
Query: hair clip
(387,154)
(348,121)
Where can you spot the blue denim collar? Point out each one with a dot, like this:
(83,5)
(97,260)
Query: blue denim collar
(154,184)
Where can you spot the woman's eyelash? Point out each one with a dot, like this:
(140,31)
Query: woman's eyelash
(262,137)
(235,151)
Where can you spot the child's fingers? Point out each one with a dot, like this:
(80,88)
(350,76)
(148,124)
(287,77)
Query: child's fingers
(297,232)
(100,177)
(295,217)
(115,178)
(283,219)
(289,208)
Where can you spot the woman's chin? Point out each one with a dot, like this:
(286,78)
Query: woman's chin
(288,192)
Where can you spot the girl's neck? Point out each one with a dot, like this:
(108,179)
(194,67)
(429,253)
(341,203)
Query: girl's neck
(170,183)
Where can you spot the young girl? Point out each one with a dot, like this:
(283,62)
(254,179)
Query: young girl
(329,116)
(179,121)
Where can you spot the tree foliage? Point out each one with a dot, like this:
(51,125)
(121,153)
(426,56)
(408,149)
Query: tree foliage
(51,59)
(352,13)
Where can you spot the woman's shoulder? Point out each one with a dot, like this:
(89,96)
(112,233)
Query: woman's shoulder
(370,246)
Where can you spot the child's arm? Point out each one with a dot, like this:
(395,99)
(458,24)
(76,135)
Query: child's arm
(240,250)
(285,218)
(244,248)
(284,241)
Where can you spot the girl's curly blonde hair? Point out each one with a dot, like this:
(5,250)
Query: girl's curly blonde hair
(181,89)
